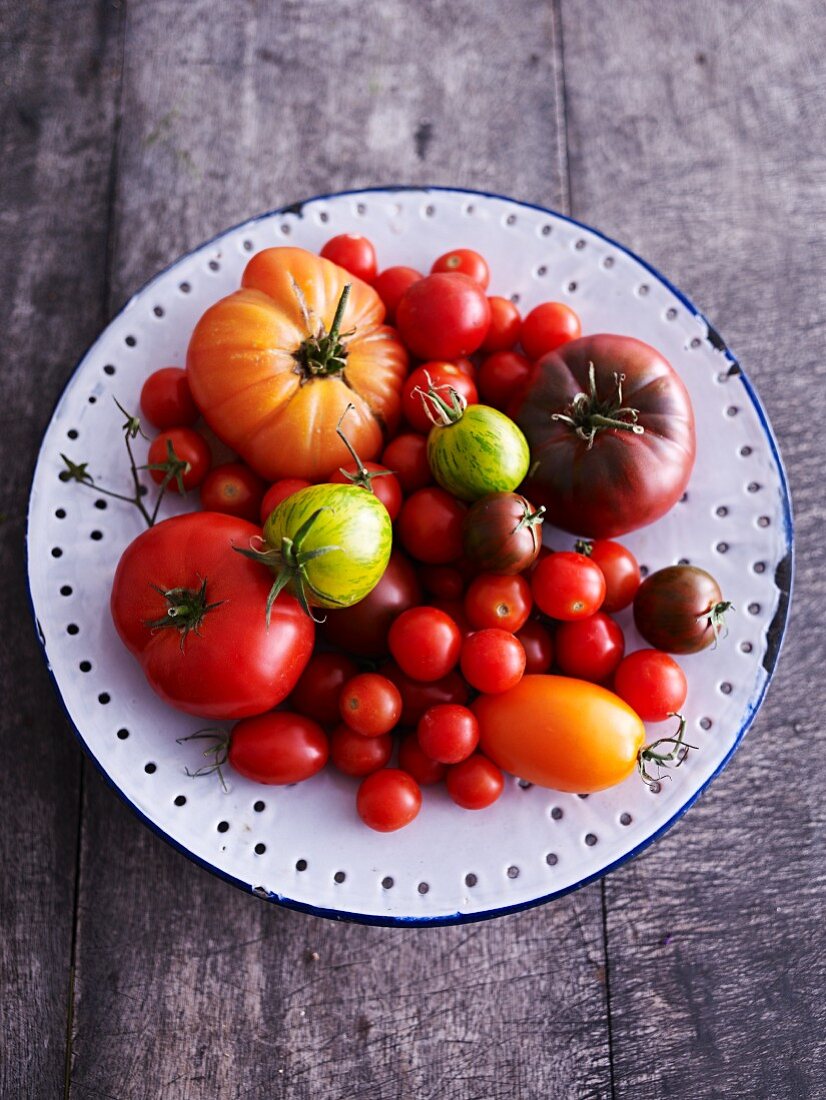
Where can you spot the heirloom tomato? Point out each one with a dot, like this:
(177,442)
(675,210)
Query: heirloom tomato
(680,609)
(502,533)
(274,365)
(363,628)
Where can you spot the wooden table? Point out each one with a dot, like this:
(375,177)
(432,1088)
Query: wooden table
(696,133)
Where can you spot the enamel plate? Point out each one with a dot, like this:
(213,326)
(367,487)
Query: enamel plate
(303,846)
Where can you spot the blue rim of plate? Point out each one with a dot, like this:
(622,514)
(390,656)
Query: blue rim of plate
(784,581)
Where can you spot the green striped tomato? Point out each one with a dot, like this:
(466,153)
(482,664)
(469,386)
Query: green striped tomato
(481,452)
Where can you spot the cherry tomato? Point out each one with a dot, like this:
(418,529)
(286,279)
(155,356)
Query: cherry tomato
(435,373)
(280,491)
(620,569)
(278,748)
(464,261)
(166,400)
(466,366)
(379,481)
(391,284)
(538,646)
(425,643)
(548,327)
(652,683)
(497,600)
(680,609)
(189,447)
(370,704)
(475,783)
(356,755)
(406,456)
(448,733)
(234,489)
(415,762)
(417,696)
(501,376)
(318,689)
(430,526)
(456,610)
(589,648)
(502,533)
(354,253)
(493,660)
(445,582)
(568,586)
(363,628)
(443,316)
(388,800)
(504,328)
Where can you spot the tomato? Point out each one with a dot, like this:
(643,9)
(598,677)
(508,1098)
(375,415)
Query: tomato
(430,526)
(318,689)
(493,660)
(504,328)
(189,609)
(329,545)
(538,646)
(414,761)
(589,648)
(561,733)
(356,755)
(406,456)
(388,800)
(434,373)
(166,400)
(233,488)
(464,261)
(652,683)
(425,643)
(466,366)
(443,581)
(370,704)
(568,586)
(354,253)
(620,569)
(680,609)
(363,628)
(476,450)
(278,748)
(502,376)
(443,316)
(456,610)
(391,284)
(448,733)
(181,459)
(375,479)
(476,783)
(417,695)
(280,491)
(611,432)
(497,600)
(292,375)
(502,533)
(547,327)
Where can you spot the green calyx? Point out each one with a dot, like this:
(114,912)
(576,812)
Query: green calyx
(323,353)
(443,405)
(588,414)
(654,754)
(185,610)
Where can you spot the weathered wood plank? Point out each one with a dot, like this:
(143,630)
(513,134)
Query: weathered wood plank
(696,134)
(56,135)
(186,988)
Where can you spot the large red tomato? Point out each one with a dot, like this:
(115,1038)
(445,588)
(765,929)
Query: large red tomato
(611,432)
(191,610)
(273,372)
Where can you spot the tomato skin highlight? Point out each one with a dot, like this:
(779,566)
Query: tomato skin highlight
(278,748)
(388,800)
(562,733)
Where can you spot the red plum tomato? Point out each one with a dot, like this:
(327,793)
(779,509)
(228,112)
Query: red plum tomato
(278,748)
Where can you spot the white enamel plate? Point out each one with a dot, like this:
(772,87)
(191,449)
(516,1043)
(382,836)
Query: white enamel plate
(303,846)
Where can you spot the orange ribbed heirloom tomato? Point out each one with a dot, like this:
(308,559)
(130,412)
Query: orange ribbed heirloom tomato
(274,366)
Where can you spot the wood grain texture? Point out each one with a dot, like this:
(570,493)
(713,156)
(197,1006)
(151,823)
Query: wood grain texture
(56,127)
(186,987)
(711,163)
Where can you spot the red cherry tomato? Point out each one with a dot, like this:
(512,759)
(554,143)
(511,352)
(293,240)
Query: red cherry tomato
(435,373)
(456,610)
(501,376)
(417,696)
(538,646)
(504,328)
(430,526)
(318,689)
(234,489)
(414,761)
(356,755)
(354,253)
(189,447)
(466,366)
(448,733)
(391,284)
(443,316)
(280,491)
(388,800)
(278,748)
(492,660)
(379,480)
(591,648)
(406,456)
(548,327)
(370,704)
(498,600)
(652,683)
(475,783)
(568,586)
(166,400)
(425,643)
(464,261)
(363,628)
(620,569)
(445,582)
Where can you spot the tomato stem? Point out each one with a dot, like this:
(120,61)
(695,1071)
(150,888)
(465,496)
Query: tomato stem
(323,353)
(362,477)
(219,751)
(441,411)
(588,415)
(649,754)
(717,619)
